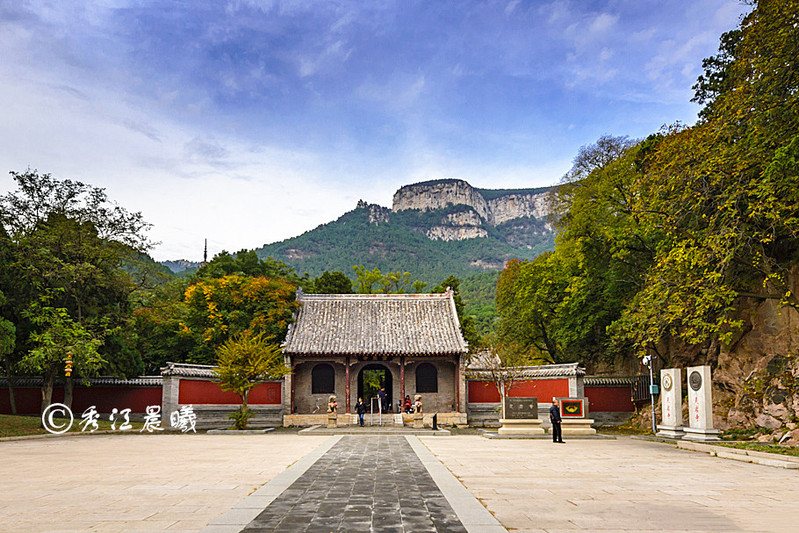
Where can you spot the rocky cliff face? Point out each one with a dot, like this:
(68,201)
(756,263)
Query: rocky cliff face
(497,209)
(458,227)
(512,206)
(439,194)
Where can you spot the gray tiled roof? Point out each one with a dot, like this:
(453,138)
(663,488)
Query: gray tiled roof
(375,324)
(477,370)
(188,370)
(609,381)
(37,381)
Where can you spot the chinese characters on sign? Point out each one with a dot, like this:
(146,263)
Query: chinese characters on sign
(184,419)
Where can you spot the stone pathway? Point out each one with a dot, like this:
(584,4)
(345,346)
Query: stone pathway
(362,484)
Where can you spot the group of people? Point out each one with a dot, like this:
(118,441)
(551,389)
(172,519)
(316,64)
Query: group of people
(407,406)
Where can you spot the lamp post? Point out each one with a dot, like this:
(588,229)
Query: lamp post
(648,360)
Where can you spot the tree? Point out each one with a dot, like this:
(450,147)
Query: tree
(390,283)
(332,283)
(65,248)
(725,193)
(39,196)
(466,321)
(247,263)
(504,367)
(59,339)
(8,337)
(558,306)
(218,308)
(243,361)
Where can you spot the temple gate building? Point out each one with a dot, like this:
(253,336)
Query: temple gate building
(350,345)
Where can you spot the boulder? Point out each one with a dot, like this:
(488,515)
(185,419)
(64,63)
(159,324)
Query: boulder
(766,421)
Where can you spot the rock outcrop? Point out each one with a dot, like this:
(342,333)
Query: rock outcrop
(485,207)
(439,194)
(512,206)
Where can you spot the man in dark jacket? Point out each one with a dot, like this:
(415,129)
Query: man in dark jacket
(383,400)
(554,417)
(360,408)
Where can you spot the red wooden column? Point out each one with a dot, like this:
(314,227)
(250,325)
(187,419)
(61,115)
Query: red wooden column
(293,381)
(402,381)
(457,384)
(347,386)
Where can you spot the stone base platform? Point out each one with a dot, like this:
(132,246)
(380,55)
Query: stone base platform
(670,432)
(577,426)
(239,431)
(702,435)
(349,419)
(520,426)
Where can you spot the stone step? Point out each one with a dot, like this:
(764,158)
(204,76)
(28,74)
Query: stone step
(746,456)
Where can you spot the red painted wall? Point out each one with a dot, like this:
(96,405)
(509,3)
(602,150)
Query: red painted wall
(29,399)
(209,392)
(483,392)
(600,399)
(107,398)
(609,399)
(543,389)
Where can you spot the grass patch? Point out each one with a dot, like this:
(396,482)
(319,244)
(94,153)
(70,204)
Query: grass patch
(740,434)
(17,426)
(20,426)
(622,430)
(768,448)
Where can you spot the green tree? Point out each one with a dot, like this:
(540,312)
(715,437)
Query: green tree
(466,321)
(725,194)
(247,263)
(8,339)
(243,362)
(332,283)
(558,306)
(366,280)
(58,339)
(66,249)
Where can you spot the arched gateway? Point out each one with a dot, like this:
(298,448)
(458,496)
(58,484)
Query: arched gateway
(342,343)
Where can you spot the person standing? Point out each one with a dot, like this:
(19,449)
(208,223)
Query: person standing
(554,417)
(383,400)
(360,408)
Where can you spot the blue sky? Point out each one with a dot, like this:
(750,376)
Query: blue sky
(248,121)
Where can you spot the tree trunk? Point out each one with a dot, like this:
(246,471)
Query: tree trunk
(69,386)
(10,389)
(502,398)
(47,390)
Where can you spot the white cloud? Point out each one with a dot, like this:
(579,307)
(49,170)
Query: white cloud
(400,92)
(603,24)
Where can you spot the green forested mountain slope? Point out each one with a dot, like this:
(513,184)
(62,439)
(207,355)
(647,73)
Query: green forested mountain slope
(400,244)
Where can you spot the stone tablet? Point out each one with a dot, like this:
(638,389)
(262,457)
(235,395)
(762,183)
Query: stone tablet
(700,405)
(671,403)
(521,408)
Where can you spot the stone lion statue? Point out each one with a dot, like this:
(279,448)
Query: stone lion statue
(332,406)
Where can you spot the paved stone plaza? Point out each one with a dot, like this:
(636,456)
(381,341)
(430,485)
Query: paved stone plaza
(363,484)
(184,482)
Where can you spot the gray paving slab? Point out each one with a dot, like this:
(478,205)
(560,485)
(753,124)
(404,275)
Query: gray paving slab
(362,483)
(474,517)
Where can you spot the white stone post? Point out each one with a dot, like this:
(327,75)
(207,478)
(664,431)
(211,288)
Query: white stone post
(700,405)
(170,392)
(671,404)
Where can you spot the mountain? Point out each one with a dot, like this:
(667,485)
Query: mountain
(179,265)
(433,229)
